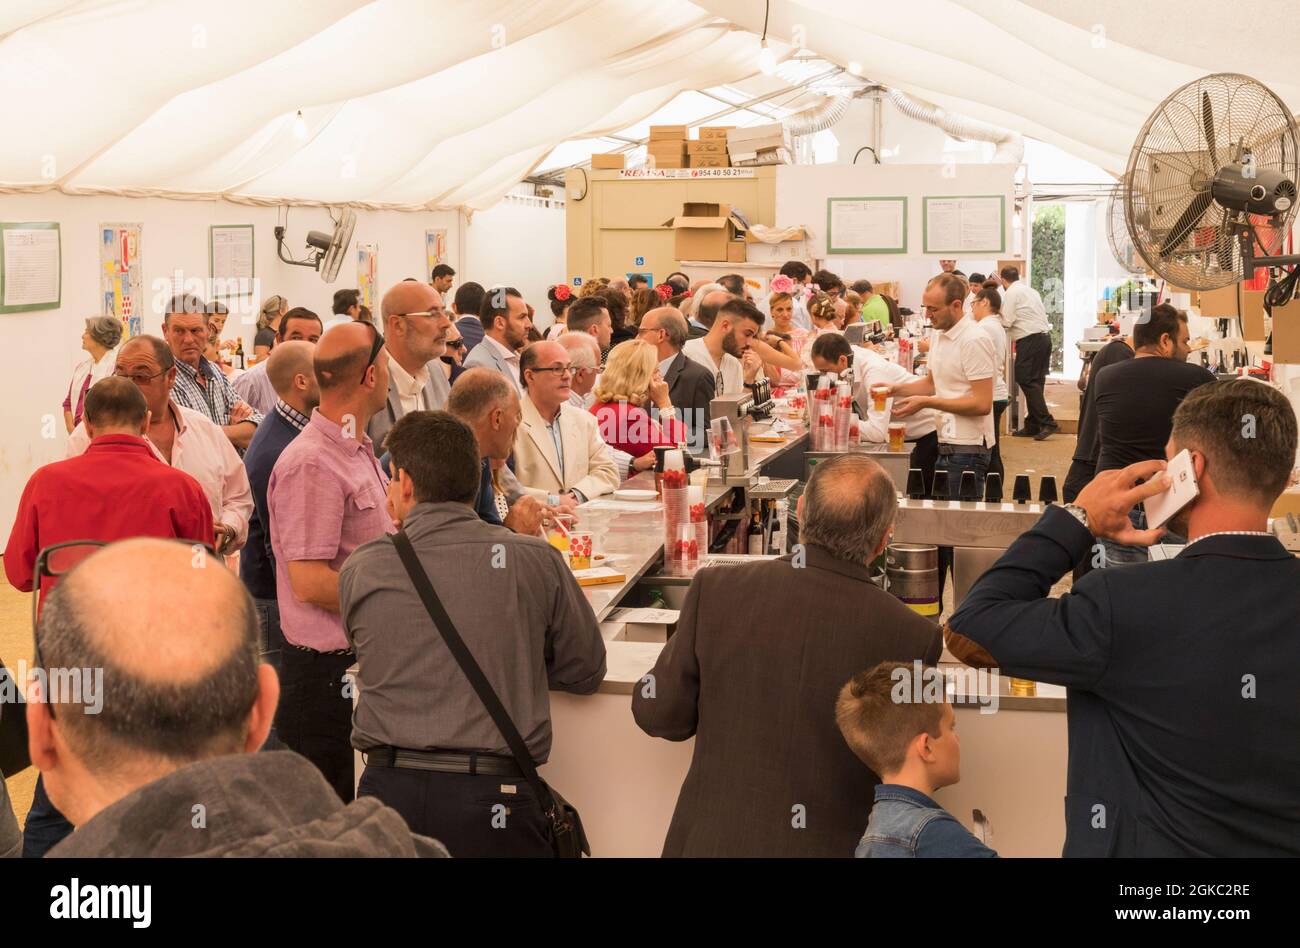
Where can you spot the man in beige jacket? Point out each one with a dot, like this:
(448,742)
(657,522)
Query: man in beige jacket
(559,454)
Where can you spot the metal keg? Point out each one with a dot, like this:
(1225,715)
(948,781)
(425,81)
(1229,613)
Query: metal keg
(913,573)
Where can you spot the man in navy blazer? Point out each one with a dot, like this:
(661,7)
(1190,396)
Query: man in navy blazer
(1183,674)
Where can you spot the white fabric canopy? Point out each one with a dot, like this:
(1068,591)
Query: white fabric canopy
(421,104)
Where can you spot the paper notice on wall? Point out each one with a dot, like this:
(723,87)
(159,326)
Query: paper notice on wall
(435,249)
(965,225)
(121,276)
(31,276)
(368,273)
(866,225)
(231,259)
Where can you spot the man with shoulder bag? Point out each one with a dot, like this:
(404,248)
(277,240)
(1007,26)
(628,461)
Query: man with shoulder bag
(453,713)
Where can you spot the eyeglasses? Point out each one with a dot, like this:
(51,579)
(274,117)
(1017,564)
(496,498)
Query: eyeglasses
(431,313)
(646,329)
(139,378)
(455,344)
(558,369)
(376,344)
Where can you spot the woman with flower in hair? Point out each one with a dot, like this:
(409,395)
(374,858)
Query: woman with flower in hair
(561,298)
(785,337)
(822,311)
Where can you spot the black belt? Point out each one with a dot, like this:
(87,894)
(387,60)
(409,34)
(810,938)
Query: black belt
(443,762)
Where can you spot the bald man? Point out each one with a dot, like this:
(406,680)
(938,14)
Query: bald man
(755,761)
(289,369)
(154,755)
(559,455)
(690,385)
(326,496)
(416,327)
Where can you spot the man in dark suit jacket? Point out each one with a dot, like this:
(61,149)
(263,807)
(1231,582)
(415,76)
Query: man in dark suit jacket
(1183,673)
(690,385)
(774,641)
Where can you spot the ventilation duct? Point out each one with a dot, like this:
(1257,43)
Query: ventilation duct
(819,117)
(1010,145)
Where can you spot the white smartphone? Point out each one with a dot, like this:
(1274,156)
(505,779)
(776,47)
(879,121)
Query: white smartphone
(1181,492)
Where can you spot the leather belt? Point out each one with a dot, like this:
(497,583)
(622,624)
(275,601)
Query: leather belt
(443,762)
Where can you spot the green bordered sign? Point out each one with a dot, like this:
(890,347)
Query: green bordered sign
(964,223)
(866,225)
(31,266)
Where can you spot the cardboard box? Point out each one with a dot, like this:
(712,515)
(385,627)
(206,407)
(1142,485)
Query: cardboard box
(706,231)
(708,132)
(709,161)
(674,161)
(756,138)
(615,161)
(668,133)
(1234,299)
(674,146)
(1286,334)
(711,146)
(768,156)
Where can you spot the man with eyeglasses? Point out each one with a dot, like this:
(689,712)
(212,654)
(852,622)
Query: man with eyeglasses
(115,490)
(690,385)
(326,496)
(200,385)
(185,439)
(559,455)
(415,335)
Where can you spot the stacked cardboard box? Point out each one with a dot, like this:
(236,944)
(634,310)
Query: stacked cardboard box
(612,161)
(667,146)
(759,144)
(707,231)
(710,150)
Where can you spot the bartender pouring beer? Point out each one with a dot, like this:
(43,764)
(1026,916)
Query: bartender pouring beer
(959,386)
(874,377)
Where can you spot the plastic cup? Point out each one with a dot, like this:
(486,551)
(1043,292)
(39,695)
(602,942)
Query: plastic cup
(879,396)
(558,531)
(897,436)
(580,549)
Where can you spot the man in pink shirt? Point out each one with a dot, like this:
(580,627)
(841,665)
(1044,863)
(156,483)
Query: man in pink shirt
(326,497)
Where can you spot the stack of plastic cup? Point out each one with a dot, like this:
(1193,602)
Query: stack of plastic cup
(823,416)
(699,518)
(686,554)
(676,505)
(843,412)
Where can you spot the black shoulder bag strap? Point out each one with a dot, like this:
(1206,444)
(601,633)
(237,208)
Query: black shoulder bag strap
(562,818)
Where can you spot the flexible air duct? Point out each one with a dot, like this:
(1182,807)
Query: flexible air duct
(1010,145)
(819,117)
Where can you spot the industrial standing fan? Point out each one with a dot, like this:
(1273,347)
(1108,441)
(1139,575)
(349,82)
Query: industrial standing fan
(1210,190)
(1117,233)
(326,251)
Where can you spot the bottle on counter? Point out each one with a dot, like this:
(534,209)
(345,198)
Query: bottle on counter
(756,532)
(239,353)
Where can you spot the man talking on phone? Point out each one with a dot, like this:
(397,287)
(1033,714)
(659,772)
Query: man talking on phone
(1181,673)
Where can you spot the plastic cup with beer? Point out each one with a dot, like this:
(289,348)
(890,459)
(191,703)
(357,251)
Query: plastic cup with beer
(879,396)
(580,549)
(897,436)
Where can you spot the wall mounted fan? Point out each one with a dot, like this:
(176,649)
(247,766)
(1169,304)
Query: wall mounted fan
(325,251)
(1210,190)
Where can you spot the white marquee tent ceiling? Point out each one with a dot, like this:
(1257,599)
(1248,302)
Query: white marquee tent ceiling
(444,103)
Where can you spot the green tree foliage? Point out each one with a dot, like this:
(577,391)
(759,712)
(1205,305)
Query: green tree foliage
(1047,272)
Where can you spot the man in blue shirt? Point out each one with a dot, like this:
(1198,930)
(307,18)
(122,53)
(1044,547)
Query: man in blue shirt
(289,368)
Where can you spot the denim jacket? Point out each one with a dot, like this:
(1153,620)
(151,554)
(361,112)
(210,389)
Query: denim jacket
(907,824)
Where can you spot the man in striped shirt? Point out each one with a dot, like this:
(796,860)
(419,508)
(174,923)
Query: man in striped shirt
(200,385)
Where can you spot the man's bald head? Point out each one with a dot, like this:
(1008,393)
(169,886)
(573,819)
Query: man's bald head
(710,302)
(477,391)
(287,361)
(341,354)
(175,688)
(672,322)
(409,298)
(848,508)
(583,349)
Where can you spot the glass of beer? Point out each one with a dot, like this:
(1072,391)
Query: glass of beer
(879,396)
(897,435)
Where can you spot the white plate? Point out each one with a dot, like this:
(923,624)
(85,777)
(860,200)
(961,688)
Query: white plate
(638,495)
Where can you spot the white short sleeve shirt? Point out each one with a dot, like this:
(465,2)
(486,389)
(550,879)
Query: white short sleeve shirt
(959,356)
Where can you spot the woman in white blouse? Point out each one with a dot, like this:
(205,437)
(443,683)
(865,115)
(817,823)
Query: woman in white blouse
(101,338)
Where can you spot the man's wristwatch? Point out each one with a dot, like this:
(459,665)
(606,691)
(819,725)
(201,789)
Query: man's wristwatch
(1078,513)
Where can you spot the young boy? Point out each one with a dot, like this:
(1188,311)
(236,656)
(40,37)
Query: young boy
(912,744)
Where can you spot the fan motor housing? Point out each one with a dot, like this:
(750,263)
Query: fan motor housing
(1262,191)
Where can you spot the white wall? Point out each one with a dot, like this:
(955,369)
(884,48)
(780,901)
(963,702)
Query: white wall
(509,243)
(802,192)
(517,245)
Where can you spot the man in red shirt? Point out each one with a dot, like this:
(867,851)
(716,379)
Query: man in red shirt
(116,489)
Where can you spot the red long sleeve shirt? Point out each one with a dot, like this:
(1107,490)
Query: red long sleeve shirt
(115,490)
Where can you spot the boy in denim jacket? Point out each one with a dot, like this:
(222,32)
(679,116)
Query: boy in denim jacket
(912,744)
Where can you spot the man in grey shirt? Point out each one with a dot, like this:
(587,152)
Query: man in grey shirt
(432,751)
